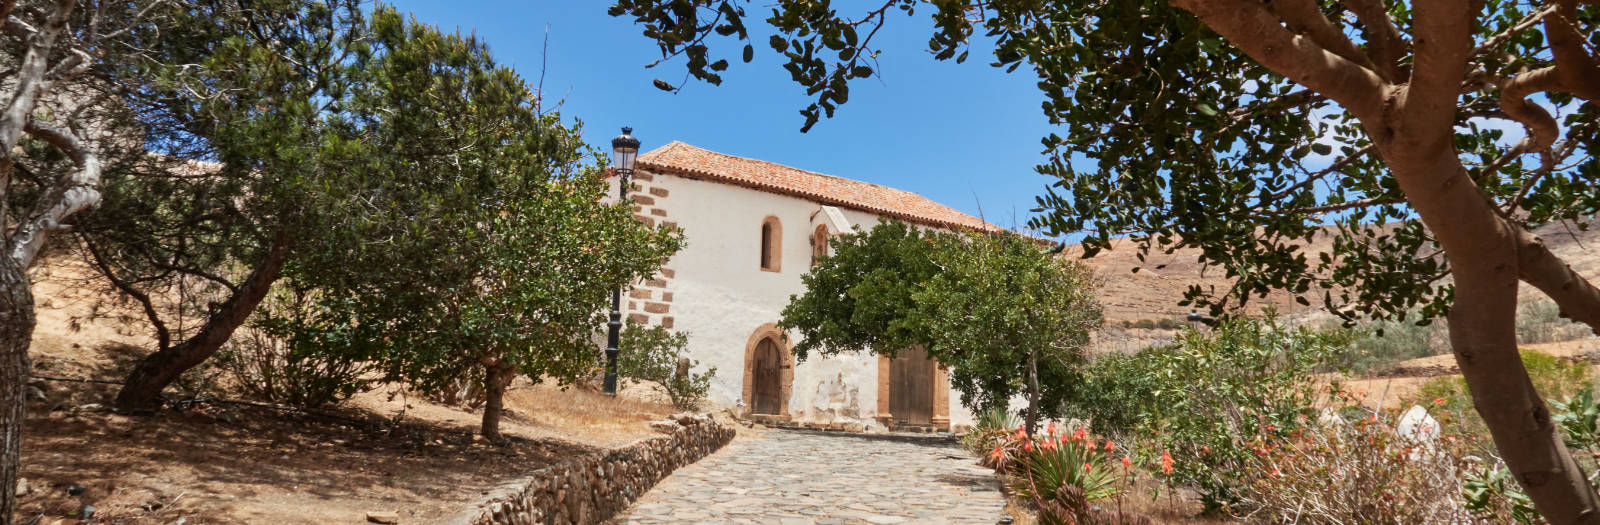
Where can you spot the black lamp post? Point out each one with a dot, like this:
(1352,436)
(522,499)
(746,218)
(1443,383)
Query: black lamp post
(625,149)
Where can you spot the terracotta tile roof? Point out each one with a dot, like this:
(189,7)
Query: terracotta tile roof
(688,161)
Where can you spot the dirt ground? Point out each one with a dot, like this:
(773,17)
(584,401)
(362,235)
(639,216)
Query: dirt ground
(1395,387)
(232,463)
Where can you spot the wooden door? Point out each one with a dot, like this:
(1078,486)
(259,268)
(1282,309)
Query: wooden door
(911,387)
(766,379)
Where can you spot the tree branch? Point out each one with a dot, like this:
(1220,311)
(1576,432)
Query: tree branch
(24,95)
(1537,265)
(1260,35)
(74,192)
(1443,42)
(1306,18)
(1386,45)
(1359,203)
(1542,128)
(1579,71)
(163,336)
(1336,166)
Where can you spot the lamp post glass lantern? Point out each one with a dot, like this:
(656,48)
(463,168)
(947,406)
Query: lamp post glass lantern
(624,151)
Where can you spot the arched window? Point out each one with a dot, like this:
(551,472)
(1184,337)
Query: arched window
(771,244)
(819,244)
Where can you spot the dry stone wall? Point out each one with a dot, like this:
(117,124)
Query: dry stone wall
(592,488)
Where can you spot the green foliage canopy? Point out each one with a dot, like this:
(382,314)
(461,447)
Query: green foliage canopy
(982,304)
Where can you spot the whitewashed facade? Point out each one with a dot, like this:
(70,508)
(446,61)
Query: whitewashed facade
(751,228)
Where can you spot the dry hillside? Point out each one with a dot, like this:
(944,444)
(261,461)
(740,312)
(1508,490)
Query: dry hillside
(1153,291)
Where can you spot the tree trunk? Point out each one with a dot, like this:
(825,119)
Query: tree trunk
(16,332)
(141,393)
(497,375)
(1033,391)
(1482,248)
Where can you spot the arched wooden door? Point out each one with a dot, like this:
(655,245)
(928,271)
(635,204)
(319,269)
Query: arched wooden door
(766,384)
(911,385)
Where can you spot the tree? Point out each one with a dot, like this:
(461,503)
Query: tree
(488,248)
(999,312)
(52,114)
(231,179)
(1246,128)
(1002,314)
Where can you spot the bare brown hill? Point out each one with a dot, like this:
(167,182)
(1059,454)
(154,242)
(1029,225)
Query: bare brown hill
(1134,290)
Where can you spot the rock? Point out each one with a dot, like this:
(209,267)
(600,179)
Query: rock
(1416,425)
(687,418)
(1329,417)
(383,516)
(853,426)
(73,490)
(22,487)
(86,511)
(33,393)
(665,426)
(91,407)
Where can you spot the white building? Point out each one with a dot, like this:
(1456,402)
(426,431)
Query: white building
(752,229)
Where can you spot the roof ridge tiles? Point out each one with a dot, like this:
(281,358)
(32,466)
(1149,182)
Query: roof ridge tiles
(694,161)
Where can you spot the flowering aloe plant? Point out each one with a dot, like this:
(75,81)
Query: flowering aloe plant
(1055,462)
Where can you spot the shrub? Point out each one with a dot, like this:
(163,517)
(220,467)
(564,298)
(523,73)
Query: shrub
(1540,321)
(1361,472)
(1492,497)
(1382,344)
(1146,324)
(653,353)
(1168,323)
(285,355)
(1204,397)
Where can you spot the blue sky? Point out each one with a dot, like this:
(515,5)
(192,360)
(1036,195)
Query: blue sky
(966,135)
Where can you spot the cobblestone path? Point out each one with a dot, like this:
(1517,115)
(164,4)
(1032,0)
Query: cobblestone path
(787,477)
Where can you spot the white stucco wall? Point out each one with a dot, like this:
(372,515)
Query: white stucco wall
(721,296)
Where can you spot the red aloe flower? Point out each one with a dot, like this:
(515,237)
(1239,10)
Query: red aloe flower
(1166,462)
(1050,429)
(1080,435)
(1110,446)
(1027,446)
(1126,462)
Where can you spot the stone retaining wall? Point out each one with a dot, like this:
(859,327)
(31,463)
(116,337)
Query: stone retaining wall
(590,489)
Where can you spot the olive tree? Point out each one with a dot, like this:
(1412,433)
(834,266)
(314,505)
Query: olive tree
(1247,128)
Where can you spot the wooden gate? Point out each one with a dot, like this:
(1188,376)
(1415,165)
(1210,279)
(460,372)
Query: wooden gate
(766,381)
(911,387)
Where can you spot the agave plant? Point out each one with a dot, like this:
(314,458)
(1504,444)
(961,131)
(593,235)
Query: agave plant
(1053,463)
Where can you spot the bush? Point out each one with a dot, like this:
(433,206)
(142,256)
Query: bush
(1540,321)
(1204,397)
(653,353)
(1168,323)
(1362,472)
(277,360)
(1146,324)
(1381,344)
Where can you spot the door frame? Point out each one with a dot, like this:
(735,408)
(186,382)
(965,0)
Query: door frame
(785,373)
(941,395)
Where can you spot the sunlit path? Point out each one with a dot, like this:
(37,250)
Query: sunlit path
(787,477)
